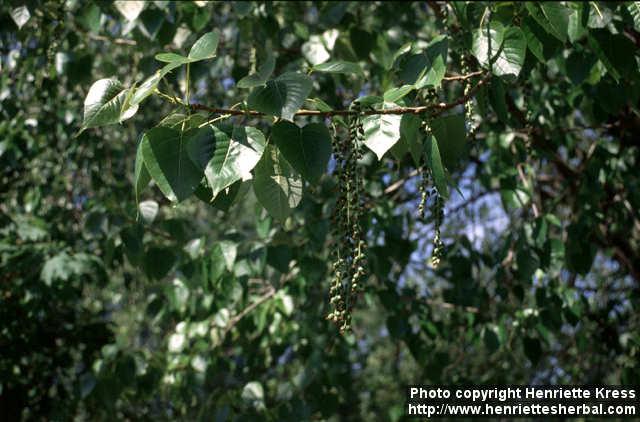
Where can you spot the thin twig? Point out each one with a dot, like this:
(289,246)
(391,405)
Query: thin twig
(398,184)
(463,77)
(270,293)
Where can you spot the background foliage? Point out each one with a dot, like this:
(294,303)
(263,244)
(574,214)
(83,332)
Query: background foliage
(113,307)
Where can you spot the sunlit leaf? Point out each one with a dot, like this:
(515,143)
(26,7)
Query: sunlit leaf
(382,131)
(104,103)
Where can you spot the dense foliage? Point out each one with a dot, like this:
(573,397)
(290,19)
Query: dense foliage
(190,191)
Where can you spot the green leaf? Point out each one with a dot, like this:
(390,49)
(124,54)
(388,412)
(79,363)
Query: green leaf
(511,58)
(394,94)
(381,53)
(578,20)
(175,58)
(634,9)
(164,151)
(482,37)
(282,96)
(426,68)
(552,16)
(362,42)
(158,261)
(382,131)
(150,22)
(205,47)
(141,176)
(436,54)
(20,16)
(369,100)
(410,141)
(105,104)
(497,96)
(317,49)
(148,210)
(151,83)
(226,157)
(307,149)
(64,267)
(225,198)
(452,139)
(539,42)
(579,251)
(339,66)
(253,395)
(177,120)
(276,184)
(319,104)
(435,164)
(129,9)
(491,339)
(260,77)
(578,66)
(613,50)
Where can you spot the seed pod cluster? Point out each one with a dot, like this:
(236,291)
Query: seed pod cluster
(349,247)
(438,217)
(431,96)
(425,192)
(437,207)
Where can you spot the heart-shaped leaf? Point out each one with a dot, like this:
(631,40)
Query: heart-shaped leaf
(509,44)
(381,131)
(307,149)
(164,151)
(20,16)
(106,104)
(483,38)
(511,58)
(551,16)
(226,159)
(276,184)
(282,96)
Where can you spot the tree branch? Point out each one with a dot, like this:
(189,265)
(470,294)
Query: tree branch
(435,108)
